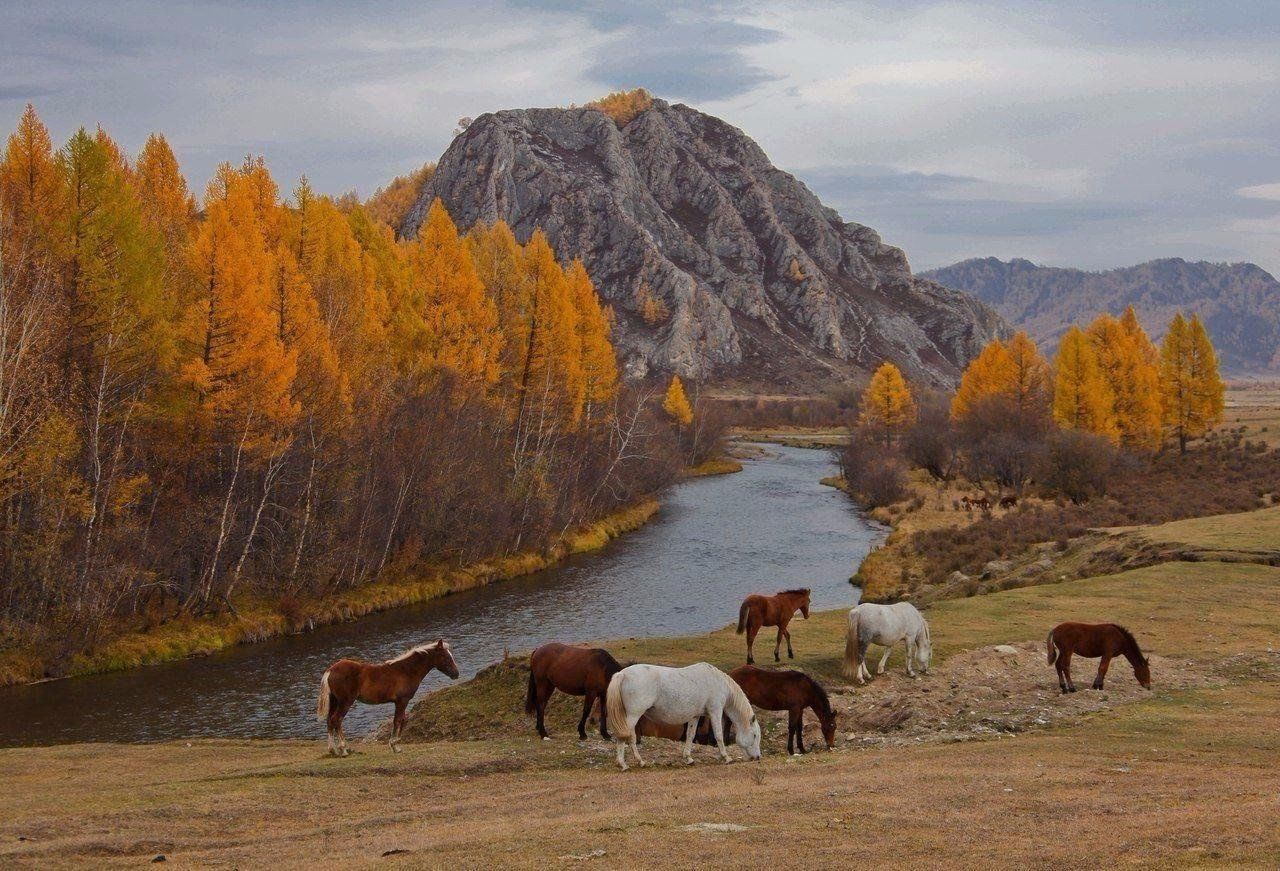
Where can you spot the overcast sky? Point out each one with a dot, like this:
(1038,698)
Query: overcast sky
(1090,134)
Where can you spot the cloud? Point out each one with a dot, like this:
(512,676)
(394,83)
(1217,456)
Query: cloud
(1261,191)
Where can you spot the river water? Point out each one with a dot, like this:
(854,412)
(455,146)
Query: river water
(716,539)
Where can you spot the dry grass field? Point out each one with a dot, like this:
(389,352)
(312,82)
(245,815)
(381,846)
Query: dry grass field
(1256,407)
(980,763)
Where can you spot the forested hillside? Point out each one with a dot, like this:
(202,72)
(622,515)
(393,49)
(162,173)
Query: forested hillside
(254,392)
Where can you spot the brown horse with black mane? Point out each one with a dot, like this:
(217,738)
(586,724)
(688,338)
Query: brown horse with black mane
(1093,640)
(791,691)
(578,671)
(396,680)
(777,610)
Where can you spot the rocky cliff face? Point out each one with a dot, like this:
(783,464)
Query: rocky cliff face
(1238,302)
(760,282)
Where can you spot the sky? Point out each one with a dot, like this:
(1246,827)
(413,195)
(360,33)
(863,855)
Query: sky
(1089,134)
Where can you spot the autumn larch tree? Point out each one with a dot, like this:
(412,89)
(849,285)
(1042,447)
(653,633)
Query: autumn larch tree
(887,405)
(989,374)
(1131,378)
(676,404)
(1082,398)
(1190,386)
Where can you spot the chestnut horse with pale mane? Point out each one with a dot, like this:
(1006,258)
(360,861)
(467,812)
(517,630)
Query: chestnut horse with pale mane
(1093,640)
(378,683)
(777,610)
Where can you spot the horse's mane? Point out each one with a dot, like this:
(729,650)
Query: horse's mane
(821,693)
(740,699)
(1129,637)
(421,648)
(798,591)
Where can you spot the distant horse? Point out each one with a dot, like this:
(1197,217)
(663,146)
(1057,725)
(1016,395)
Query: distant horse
(887,625)
(790,691)
(776,610)
(1009,501)
(396,680)
(1090,640)
(680,695)
(578,671)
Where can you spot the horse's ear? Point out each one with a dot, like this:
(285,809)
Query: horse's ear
(439,642)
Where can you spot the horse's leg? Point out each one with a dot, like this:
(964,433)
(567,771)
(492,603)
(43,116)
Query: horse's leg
(604,718)
(800,731)
(397,723)
(1065,659)
(545,689)
(752,628)
(911,656)
(1062,675)
(586,712)
(635,751)
(792,720)
(690,733)
(885,659)
(717,729)
(777,645)
(1102,671)
(791,654)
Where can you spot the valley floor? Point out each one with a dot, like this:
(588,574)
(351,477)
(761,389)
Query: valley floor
(978,764)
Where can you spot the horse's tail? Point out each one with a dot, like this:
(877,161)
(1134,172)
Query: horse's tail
(1051,649)
(742,616)
(617,709)
(531,697)
(851,645)
(322,704)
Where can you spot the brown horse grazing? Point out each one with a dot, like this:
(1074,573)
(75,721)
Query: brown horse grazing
(377,683)
(647,728)
(578,671)
(776,610)
(790,691)
(1009,501)
(1106,640)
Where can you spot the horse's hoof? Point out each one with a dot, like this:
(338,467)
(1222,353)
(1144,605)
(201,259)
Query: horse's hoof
(688,762)
(546,737)
(395,749)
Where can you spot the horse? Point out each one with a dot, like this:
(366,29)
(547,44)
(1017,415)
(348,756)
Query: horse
(396,680)
(791,691)
(680,695)
(578,671)
(1009,501)
(777,610)
(1090,640)
(885,624)
(704,734)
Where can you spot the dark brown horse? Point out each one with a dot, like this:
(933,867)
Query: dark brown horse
(790,691)
(647,728)
(776,610)
(578,671)
(348,681)
(1092,640)
(1010,501)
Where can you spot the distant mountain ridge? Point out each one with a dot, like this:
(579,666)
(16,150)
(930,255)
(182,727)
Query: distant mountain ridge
(677,212)
(1238,302)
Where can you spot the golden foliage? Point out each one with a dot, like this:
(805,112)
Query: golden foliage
(676,404)
(1082,397)
(391,203)
(1190,386)
(887,403)
(623,106)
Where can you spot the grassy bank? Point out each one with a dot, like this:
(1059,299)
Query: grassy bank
(720,465)
(257,619)
(1126,763)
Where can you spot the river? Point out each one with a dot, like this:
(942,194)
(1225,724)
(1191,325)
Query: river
(716,539)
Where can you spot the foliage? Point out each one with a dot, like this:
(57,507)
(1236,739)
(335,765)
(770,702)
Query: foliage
(391,203)
(277,398)
(1190,386)
(623,106)
(874,473)
(1082,395)
(887,405)
(676,404)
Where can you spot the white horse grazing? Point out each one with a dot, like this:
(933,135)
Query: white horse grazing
(885,624)
(675,696)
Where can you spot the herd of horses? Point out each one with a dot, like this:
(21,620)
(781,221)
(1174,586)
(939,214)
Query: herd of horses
(983,503)
(700,703)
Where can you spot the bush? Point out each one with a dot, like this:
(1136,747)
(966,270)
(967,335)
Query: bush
(876,475)
(931,443)
(1079,465)
(623,106)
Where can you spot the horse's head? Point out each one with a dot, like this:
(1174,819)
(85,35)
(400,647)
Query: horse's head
(749,738)
(829,730)
(924,649)
(442,658)
(1142,671)
(804,602)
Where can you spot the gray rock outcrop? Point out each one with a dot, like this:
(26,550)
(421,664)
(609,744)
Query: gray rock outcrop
(759,281)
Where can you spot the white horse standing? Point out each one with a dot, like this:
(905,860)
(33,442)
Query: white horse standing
(885,624)
(675,696)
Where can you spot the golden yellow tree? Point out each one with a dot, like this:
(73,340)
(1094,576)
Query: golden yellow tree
(599,363)
(1030,382)
(500,264)
(989,374)
(676,404)
(1082,398)
(1131,378)
(447,320)
(31,190)
(550,376)
(887,404)
(1190,386)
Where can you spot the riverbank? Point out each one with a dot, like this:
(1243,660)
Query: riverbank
(257,619)
(971,765)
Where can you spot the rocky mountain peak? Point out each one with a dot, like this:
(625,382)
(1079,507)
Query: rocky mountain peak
(714,261)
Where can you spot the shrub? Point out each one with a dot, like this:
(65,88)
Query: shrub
(623,106)
(1079,465)
(876,474)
